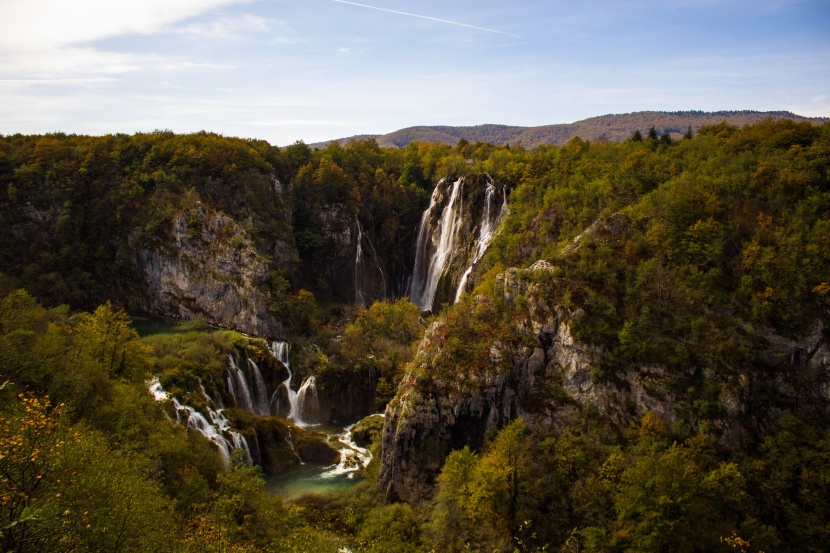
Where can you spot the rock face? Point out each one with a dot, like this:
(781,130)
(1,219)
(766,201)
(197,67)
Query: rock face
(345,396)
(549,379)
(211,270)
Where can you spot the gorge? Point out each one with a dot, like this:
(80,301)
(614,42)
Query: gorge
(552,336)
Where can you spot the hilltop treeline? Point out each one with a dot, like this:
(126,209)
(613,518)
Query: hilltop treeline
(613,128)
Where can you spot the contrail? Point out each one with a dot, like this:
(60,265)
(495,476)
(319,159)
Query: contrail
(428,17)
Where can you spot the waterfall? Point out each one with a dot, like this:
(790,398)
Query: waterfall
(248,387)
(352,456)
(361,296)
(304,404)
(282,351)
(486,230)
(431,255)
(308,404)
(238,387)
(290,441)
(217,429)
(260,391)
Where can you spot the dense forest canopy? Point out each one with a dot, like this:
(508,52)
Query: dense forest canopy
(701,262)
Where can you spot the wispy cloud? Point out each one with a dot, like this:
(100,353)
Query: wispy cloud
(429,18)
(238,28)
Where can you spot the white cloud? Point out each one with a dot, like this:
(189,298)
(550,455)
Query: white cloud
(68,61)
(42,24)
(48,39)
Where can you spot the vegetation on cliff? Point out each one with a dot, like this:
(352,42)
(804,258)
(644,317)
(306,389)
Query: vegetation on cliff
(694,275)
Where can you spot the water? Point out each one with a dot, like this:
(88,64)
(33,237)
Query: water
(306,479)
(238,387)
(437,242)
(362,296)
(304,404)
(217,429)
(486,231)
(320,478)
(146,326)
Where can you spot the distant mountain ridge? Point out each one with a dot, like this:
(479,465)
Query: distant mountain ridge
(612,127)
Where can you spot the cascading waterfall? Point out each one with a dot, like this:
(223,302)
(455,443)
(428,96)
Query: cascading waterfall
(431,255)
(238,386)
(486,230)
(361,296)
(247,386)
(352,456)
(260,391)
(304,404)
(217,429)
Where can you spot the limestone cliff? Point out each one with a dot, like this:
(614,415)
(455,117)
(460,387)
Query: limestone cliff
(210,269)
(548,378)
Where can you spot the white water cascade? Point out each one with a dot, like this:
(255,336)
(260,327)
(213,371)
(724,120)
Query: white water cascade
(217,429)
(304,404)
(248,387)
(260,392)
(486,231)
(437,243)
(362,297)
(352,456)
(238,386)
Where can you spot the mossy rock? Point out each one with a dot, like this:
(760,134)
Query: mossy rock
(368,430)
(275,437)
(313,447)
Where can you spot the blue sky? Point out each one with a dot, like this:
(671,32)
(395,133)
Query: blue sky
(321,69)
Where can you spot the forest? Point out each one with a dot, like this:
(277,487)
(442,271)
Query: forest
(635,359)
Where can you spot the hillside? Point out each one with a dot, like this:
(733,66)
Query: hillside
(601,346)
(613,128)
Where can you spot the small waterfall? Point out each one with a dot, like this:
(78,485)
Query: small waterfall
(290,441)
(304,404)
(282,351)
(248,387)
(352,456)
(436,244)
(486,230)
(238,386)
(308,404)
(362,297)
(217,429)
(260,391)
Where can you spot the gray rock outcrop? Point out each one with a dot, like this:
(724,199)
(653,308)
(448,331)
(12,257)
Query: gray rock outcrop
(210,269)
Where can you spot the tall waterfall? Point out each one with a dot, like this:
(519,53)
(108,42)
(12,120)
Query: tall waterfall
(304,404)
(436,244)
(445,248)
(217,429)
(363,271)
(487,229)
